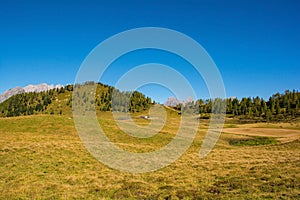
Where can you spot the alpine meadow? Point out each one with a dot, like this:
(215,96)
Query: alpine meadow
(160,99)
(257,156)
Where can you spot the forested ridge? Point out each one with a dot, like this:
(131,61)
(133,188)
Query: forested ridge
(59,101)
(284,106)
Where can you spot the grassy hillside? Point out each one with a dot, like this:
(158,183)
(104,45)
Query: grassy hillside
(42,157)
(59,101)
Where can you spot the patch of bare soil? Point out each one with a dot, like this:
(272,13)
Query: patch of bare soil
(283,135)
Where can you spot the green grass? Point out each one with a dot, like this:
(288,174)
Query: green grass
(230,126)
(252,141)
(42,157)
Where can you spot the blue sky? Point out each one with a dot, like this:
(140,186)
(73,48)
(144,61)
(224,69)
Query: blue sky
(254,43)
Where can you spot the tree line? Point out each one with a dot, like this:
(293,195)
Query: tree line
(277,107)
(28,103)
(107,98)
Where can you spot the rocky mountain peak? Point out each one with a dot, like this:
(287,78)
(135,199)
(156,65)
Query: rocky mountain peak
(173,101)
(29,88)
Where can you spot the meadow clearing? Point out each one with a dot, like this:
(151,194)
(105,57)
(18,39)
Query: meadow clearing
(42,157)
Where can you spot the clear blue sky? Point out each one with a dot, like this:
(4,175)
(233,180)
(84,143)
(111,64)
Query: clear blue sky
(255,43)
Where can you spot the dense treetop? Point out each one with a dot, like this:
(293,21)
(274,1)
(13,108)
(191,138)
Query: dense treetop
(277,107)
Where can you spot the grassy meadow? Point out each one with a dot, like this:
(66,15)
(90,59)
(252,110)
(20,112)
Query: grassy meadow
(42,157)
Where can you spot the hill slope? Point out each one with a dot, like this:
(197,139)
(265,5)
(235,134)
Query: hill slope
(59,101)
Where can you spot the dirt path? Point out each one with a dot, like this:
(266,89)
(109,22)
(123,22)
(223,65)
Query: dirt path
(283,135)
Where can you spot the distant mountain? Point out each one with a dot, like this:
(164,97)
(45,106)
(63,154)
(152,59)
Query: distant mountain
(173,101)
(41,87)
(30,88)
(11,92)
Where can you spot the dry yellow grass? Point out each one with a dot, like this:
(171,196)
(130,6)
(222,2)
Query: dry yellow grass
(42,157)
